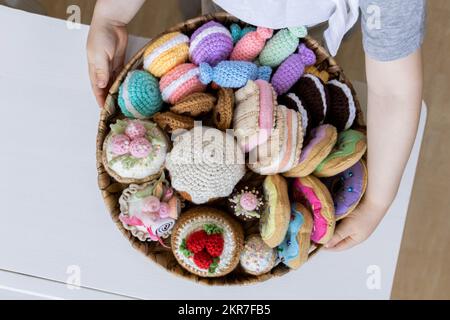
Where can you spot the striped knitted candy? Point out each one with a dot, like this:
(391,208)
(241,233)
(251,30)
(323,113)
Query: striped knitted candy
(281,46)
(166,52)
(211,43)
(237,32)
(249,47)
(180,82)
(292,69)
(139,95)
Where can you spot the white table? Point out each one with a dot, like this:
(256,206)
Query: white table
(52,216)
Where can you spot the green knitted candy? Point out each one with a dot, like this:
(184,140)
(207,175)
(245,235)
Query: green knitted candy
(139,95)
(281,45)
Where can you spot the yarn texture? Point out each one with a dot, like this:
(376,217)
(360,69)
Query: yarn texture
(251,44)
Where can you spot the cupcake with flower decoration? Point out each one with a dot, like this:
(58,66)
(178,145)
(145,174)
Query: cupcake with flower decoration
(134,151)
(149,211)
(246,202)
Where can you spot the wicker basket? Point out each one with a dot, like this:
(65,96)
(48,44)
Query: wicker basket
(111,189)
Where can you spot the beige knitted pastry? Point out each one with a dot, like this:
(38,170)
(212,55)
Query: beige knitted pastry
(223,110)
(195,104)
(170,121)
(257,257)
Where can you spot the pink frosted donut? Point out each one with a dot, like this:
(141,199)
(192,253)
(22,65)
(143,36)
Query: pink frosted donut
(250,45)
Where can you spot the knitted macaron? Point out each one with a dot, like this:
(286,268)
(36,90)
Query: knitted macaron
(139,95)
(211,43)
(281,46)
(237,32)
(205,163)
(257,257)
(180,82)
(165,53)
(251,44)
(292,69)
(341,110)
(293,102)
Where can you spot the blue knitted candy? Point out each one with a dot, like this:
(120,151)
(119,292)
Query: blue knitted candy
(237,32)
(139,95)
(233,74)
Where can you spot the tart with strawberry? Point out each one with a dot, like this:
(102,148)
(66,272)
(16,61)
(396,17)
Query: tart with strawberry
(207,242)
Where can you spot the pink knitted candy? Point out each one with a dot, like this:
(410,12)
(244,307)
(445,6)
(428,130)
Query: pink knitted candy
(250,46)
(151,204)
(248,201)
(164,210)
(135,129)
(140,148)
(120,144)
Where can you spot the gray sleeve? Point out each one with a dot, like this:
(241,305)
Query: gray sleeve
(392,29)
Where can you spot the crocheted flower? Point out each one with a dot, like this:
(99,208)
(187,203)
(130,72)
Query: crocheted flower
(120,144)
(247,203)
(140,148)
(164,210)
(135,129)
(152,204)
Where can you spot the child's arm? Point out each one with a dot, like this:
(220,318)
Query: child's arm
(394,102)
(107,41)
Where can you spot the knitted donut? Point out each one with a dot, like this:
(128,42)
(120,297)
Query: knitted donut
(291,101)
(349,149)
(257,257)
(211,43)
(207,242)
(195,104)
(223,110)
(139,95)
(342,108)
(165,53)
(314,195)
(169,121)
(251,44)
(347,188)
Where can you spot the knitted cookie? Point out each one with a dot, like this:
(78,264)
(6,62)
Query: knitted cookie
(223,110)
(205,163)
(291,101)
(274,221)
(247,203)
(251,44)
(350,147)
(292,69)
(170,121)
(149,210)
(314,195)
(211,43)
(237,32)
(322,140)
(342,109)
(257,257)
(180,82)
(195,104)
(281,46)
(322,75)
(139,95)
(232,74)
(134,151)
(207,242)
(347,188)
(254,115)
(294,249)
(165,53)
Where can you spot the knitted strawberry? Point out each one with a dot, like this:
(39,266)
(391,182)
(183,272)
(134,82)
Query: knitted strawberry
(202,259)
(196,241)
(214,244)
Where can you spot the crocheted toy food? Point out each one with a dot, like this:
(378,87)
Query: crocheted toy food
(204,164)
(322,140)
(349,149)
(165,53)
(169,121)
(347,188)
(223,110)
(237,32)
(257,257)
(281,151)
(322,75)
(315,196)
(233,74)
(195,104)
(254,115)
(139,95)
(247,203)
(207,242)
(251,44)
(274,220)
(281,46)
(134,151)
(211,43)
(314,96)
(180,82)
(294,249)
(149,210)
(291,101)
(342,108)
(292,69)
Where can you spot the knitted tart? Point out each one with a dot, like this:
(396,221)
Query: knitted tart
(342,108)
(292,101)
(207,242)
(257,257)
(195,104)
(134,151)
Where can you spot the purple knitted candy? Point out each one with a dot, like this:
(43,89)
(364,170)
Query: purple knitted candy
(292,69)
(211,43)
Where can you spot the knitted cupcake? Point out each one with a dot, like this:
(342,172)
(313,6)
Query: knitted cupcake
(247,203)
(342,109)
(237,32)
(180,82)
(150,210)
(166,52)
(293,102)
(257,257)
(292,69)
(207,242)
(204,164)
(281,46)
(134,151)
(139,95)
(251,44)
(211,43)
